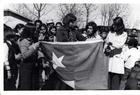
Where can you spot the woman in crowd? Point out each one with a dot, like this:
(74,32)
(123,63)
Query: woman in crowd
(43,63)
(50,24)
(27,71)
(114,43)
(19,29)
(52,32)
(43,34)
(58,25)
(92,31)
(37,24)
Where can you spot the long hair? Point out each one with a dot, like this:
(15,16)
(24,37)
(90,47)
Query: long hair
(28,31)
(51,29)
(69,18)
(44,25)
(118,25)
(94,26)
(18,26)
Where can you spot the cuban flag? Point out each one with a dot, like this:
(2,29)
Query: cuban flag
(81,65)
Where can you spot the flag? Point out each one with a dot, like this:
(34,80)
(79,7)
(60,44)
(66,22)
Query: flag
(83,63)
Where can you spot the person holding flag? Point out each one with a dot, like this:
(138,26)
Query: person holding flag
(114,44)
(67,32)
(77,65)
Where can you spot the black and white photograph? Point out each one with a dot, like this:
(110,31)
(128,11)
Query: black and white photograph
(71,47)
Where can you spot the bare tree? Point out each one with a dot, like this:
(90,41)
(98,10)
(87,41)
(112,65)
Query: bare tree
(104,14)
(21,9)
(76,9)
(89,8)
(37,10)
(136,24)
(33,11)
(66,8)
(110,11)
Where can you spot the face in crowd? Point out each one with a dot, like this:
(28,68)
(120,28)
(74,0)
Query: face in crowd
(89,30)
(118,25)
(53,30)
(69,20)
(134,31)
(42,29)
(20,30)
(58,25)
(38,23)
(72,24)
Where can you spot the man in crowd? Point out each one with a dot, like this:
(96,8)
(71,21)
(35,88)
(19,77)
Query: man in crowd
(67,32)
(10,60)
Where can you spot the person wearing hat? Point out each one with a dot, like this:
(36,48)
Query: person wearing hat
(10,60)
(58,25)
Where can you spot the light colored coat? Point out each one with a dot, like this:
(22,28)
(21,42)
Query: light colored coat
(116,63)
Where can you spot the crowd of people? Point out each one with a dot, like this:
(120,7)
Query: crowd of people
(26,67)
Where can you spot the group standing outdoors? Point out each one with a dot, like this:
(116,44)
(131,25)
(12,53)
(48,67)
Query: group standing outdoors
(26,67)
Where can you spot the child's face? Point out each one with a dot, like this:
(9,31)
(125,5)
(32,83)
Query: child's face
(53,30)
(42,30)
(37,25)
(130,47)
(58,26)
(134,31)
(104,35)
(20,31)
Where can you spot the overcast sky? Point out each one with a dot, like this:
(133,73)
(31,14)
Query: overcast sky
(134,18)
(135,15)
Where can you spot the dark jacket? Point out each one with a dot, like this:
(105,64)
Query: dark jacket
(9,84)
(11,58)
(133,82)
(66,34)
(28,73)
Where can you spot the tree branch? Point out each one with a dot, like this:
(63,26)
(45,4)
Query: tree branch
(29,10)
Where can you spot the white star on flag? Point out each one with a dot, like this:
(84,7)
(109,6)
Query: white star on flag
(57,61)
